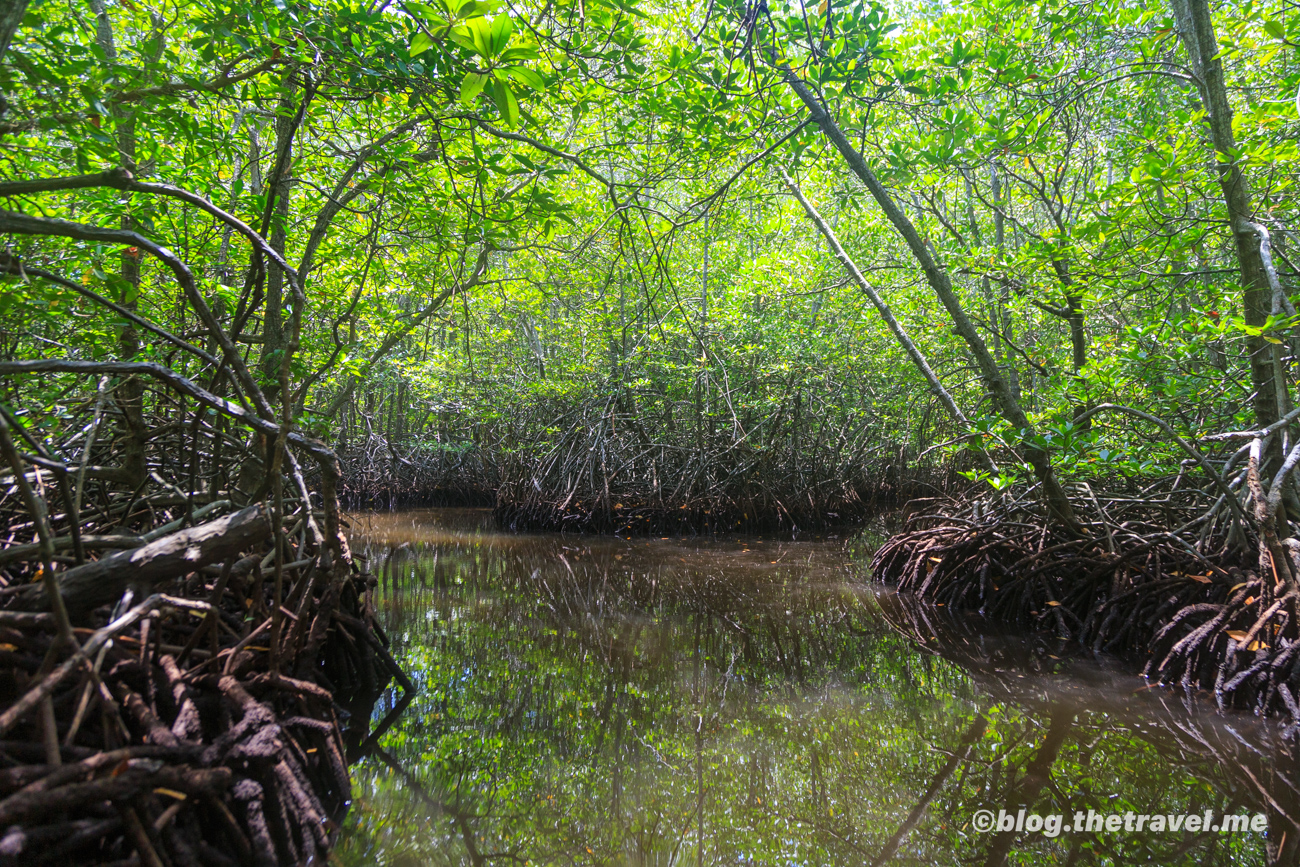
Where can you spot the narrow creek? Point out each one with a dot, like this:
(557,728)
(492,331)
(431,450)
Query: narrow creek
(594,700)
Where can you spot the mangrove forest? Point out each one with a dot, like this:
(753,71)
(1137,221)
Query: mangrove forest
(619,432)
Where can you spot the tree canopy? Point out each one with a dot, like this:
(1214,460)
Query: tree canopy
(639,266)
(480,226)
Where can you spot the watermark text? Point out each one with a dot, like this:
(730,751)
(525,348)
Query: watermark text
(1055,824)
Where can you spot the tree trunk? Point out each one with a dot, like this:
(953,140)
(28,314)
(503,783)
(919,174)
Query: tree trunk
(275,341)
(896,328)
(11,16)
(1058,504)
(1078,337)
(1004,295)
(1196,29)
(129,393)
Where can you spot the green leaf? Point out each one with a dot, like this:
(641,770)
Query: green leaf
(502,28)
(527,77)
(1275,29)
(506,103)
(471,87)
(421,43)
(481,32)
(518,53)
(471,9)
(464,38)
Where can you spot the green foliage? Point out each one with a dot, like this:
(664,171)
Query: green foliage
(603,152)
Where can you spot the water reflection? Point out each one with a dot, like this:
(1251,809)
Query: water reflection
(690,702)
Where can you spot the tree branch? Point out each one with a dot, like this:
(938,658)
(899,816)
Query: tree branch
(11,265)
(22,224)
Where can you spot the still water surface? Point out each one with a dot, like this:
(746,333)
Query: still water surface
(597,701)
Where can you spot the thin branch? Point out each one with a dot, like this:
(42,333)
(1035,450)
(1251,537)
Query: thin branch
(22,224)
(1183,444)
(180,383)
(11,265)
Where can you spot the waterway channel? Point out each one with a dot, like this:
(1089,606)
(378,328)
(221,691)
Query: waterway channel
(587,700)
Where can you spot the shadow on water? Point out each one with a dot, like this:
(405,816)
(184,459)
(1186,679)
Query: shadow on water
(588,700)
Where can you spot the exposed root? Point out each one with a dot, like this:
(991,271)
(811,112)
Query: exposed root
(748,509)
(187,689)
(593,468)
(1202,620)
(187,735)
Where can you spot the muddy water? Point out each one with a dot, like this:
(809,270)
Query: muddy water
(752,701)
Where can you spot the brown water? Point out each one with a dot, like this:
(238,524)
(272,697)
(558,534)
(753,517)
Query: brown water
(598,701)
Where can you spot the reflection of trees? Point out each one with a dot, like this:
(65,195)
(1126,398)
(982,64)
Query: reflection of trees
(1036,778)
(576,709)
(1252,765)
(958,756)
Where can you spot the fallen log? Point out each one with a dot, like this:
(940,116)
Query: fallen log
(17,553)
(102,582)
